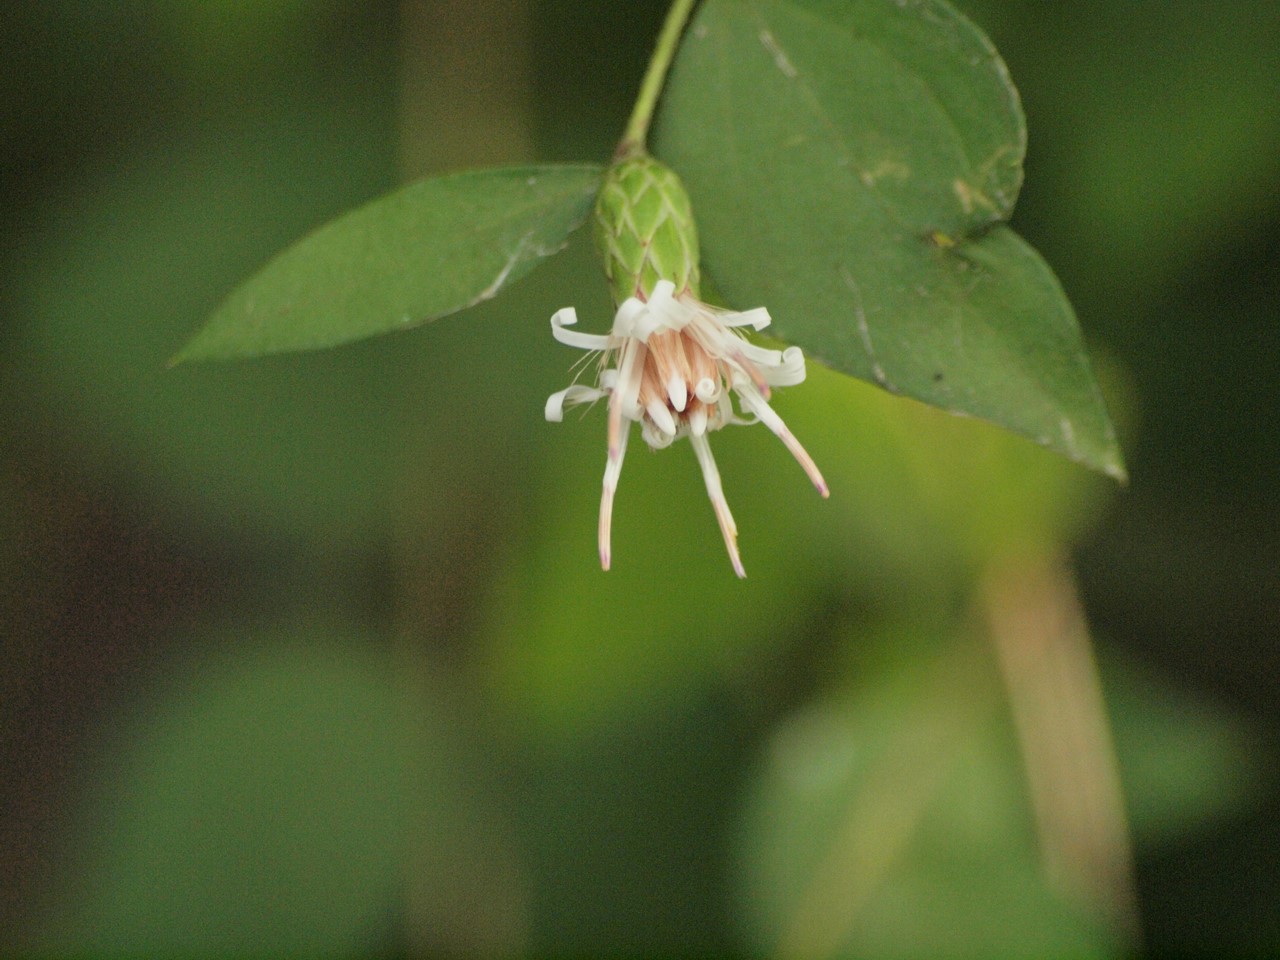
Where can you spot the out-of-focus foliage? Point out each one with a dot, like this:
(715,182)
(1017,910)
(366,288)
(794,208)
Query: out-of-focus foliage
(242,745)
(891,821)
(454,732)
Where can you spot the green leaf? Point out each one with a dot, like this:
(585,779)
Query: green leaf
(427,250)
(850,166)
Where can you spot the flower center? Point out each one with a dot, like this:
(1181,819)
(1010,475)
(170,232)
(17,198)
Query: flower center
(680,382)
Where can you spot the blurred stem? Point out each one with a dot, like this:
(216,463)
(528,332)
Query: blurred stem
(634,139)
(1045,655)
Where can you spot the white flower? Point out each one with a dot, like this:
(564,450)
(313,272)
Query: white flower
(675,363)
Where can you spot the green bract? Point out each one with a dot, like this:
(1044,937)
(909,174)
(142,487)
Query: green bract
(644,229)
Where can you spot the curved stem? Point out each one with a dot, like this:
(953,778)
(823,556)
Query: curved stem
(634,137)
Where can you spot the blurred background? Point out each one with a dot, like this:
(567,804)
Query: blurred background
(311,653)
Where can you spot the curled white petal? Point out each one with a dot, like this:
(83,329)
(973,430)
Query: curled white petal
(664,291)
(624,321)
(664,311)
(758,318)
(760,356)
(654,437)
(789,371)
(574,338)
(570,396)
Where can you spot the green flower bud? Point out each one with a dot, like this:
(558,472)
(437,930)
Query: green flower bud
(644,229)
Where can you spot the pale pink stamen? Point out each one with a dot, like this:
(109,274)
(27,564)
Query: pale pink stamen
(715,491)
(612,471)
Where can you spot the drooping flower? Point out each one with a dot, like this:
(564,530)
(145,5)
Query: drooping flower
(671,363)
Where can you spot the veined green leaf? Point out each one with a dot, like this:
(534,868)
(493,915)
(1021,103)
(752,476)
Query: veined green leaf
(851,165)
(426,250)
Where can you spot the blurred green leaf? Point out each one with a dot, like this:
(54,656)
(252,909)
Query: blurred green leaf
(282,799)
(892,822)
(426,250)
(850,165)
(116,272)
(1184,759)
(1111,88)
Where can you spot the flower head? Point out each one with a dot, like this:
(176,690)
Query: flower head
(674,365)
(671,363)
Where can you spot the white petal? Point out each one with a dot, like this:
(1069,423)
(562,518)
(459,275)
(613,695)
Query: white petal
(649,322)
(624,321)
(583,341)
(678,392)
(570,396)
(698,421)
(758,318)
(663,291)
(661,417)
(624,400)
(665,311)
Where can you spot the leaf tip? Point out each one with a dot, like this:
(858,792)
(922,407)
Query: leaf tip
(194,349)
(1114,467)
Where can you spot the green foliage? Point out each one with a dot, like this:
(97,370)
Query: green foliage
(111,278)
(890,821)
(429,249)
(850,165)
(271,802)
(1185,760)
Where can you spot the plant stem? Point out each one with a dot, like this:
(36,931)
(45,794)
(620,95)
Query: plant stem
(633,139)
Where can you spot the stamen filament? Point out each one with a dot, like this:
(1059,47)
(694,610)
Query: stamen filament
(612,471)
(715,490)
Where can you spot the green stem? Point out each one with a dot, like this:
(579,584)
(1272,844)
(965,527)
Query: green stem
(633,139)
